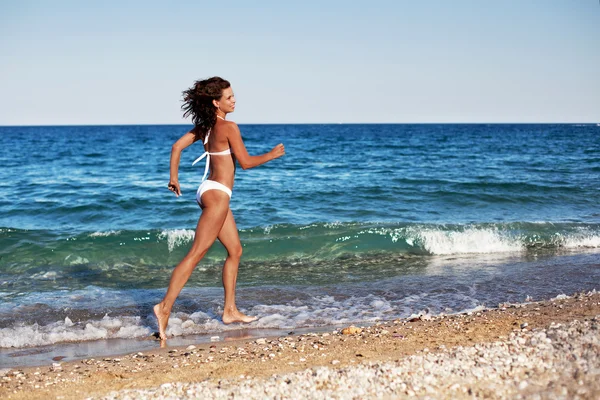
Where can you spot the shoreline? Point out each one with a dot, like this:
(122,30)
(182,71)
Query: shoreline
(259,359)
(45,356)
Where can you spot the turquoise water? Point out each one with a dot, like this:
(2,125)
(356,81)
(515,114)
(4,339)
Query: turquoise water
(356,223)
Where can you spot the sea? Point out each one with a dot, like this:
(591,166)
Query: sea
(354,225)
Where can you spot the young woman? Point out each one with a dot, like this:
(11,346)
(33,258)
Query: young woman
(208,102)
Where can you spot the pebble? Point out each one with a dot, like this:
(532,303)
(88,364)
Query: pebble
(351,330)
(560,362)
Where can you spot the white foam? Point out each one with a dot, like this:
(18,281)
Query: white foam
(312,312)
(45,275)
(395,234)
(76,260)
(177,237)
(582,240)
(336,224)
(469,241)
(477,239)
(310,226)
(67,331)
(181,324)
(320,311)
(104,234)
(324,311)
(437,241)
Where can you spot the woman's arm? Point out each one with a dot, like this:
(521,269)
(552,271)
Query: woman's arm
(241,154)
(176,150)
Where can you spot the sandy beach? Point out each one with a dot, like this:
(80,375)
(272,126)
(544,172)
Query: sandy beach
(446,356)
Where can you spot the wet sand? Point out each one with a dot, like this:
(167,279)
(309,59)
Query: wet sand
(260,359)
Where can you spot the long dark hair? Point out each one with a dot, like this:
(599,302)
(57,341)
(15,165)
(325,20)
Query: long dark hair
(198,102)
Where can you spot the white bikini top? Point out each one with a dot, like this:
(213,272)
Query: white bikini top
(207,155)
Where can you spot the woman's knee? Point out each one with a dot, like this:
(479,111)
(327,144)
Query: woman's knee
(235,252)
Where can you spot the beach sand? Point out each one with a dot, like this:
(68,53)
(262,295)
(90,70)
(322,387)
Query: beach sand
(562,333)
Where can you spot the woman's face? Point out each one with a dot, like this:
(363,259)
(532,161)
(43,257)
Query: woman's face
(227,101)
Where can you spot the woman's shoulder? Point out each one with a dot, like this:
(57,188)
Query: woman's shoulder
(230,126)
(228,122)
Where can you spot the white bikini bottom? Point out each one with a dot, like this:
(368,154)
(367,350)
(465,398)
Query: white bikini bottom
(210,185)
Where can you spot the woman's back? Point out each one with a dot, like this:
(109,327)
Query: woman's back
(222,166)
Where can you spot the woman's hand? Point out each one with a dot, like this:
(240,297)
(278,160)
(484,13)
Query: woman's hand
(278,151)
(174,187)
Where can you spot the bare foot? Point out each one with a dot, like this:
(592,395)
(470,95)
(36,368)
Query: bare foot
(163,320)
(230,317)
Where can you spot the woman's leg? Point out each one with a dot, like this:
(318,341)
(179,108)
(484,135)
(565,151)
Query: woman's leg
(216,206)
(230,238)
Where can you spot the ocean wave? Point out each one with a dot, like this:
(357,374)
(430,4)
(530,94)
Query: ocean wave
(177,237)
(314,311)
(286,314)
(317,241)
(471,240)
(23,335)
(104,234)
(583,240)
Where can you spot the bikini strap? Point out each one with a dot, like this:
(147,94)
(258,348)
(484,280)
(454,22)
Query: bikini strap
(207,155)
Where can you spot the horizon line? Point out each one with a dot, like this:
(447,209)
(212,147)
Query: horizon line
(308,123)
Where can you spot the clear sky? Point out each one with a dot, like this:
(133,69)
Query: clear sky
(127,62)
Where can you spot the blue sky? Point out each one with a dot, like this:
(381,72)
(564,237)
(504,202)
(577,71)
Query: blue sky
(127,62)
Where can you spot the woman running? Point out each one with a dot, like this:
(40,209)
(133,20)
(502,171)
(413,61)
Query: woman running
(208,102)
